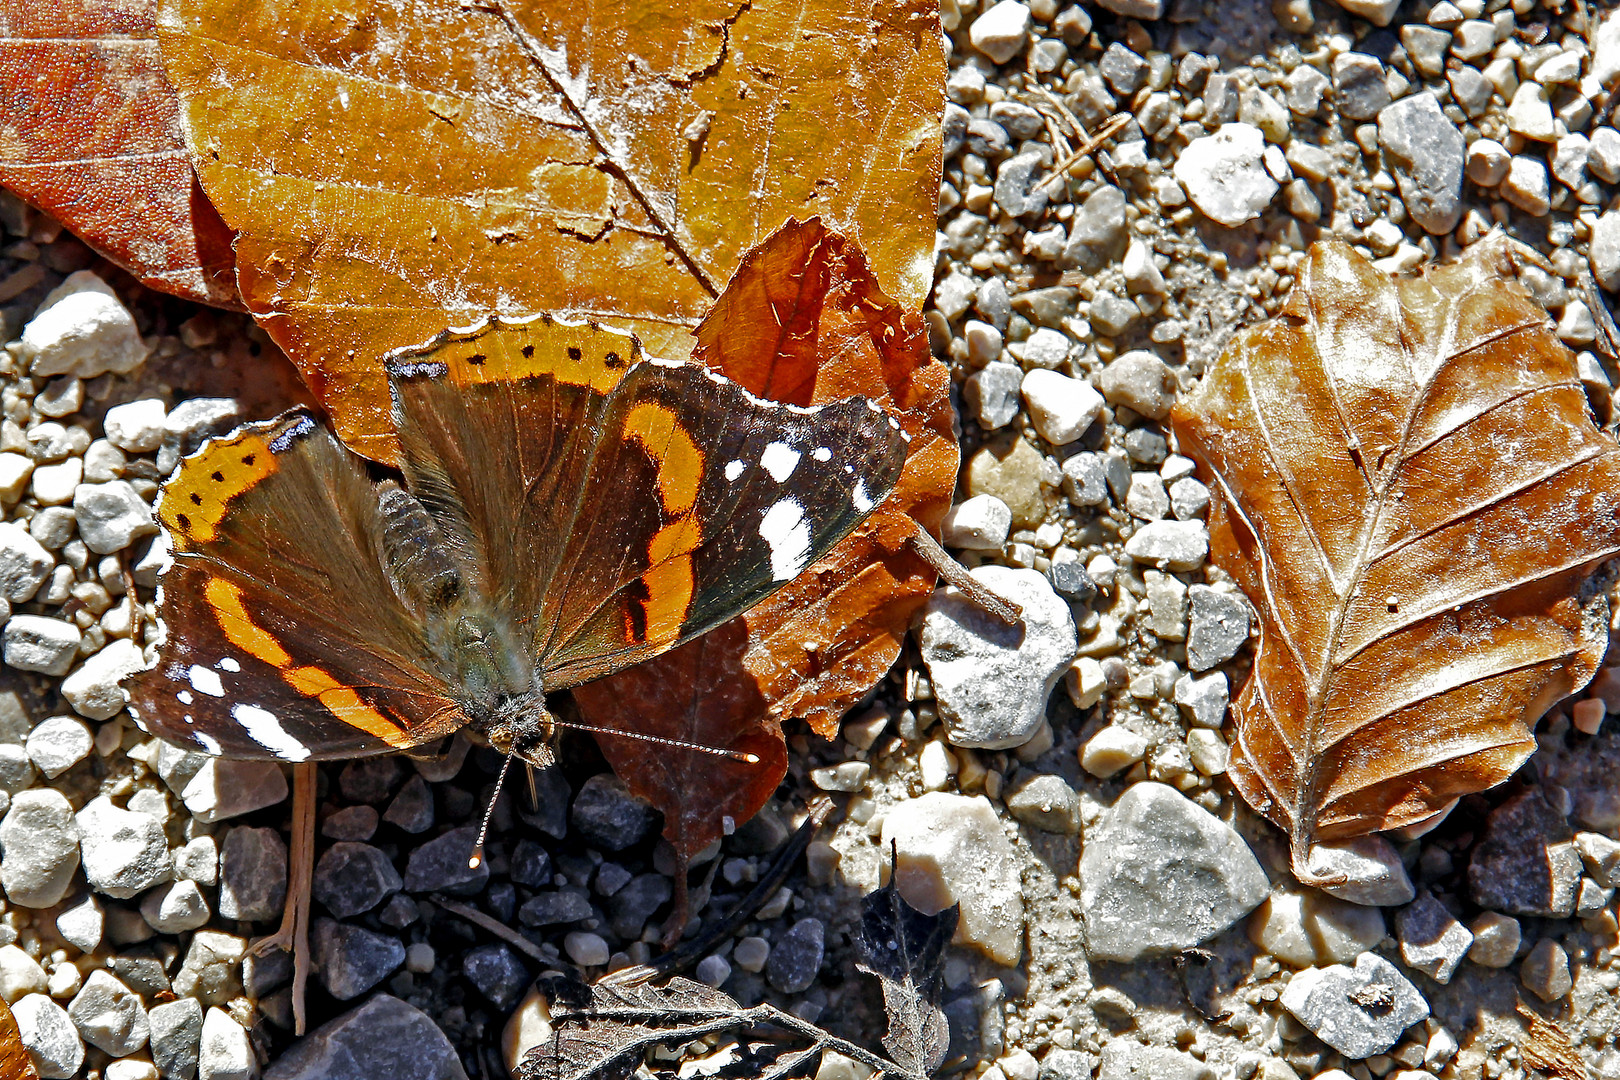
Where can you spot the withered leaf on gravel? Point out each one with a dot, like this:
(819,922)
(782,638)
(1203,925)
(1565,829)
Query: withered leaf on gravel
(396,168)
(905,949)
(90,133)
(15,1062)
(804,321)
(1412,493)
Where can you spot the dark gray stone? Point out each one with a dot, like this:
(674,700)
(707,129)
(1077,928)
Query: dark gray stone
(176,1037)
(1070,580)
(954,129)
(252,874)
(351,823)
(142,970)
(1358,86)
(1017,189)
(399,912)
(1526,863)
(1218,626)
(1097,233)
(634,903)
(1125,71)
(352,878)
(497,972)
(412,808)
(530,865)
(349,960)
(555,907)
(1427,151)
(441,865)
(1021,121)
(382,1038)
(795,958)
(987,138)
(369,780)
(552,794)
(608,817)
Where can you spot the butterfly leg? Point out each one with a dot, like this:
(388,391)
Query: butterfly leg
(293,935)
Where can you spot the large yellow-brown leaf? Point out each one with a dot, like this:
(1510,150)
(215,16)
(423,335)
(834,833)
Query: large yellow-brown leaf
(90,133)
(1411,491)
(395,167)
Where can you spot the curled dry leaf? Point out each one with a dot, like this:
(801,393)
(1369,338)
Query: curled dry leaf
(90,133)
(396,168)
(802,321)
(1412,493)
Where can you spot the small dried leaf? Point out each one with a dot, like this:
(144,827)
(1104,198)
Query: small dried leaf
(601,1032)
(905,949)
(1411,492)
(397,168)
(1547,1049)
(15,1061)
(90,133)
(698,694)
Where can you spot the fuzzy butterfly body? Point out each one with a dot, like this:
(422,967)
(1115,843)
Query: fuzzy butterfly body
(566,508)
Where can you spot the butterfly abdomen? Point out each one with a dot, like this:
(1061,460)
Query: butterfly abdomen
(421,565)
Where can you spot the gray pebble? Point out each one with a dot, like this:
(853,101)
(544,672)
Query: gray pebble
(39,848)
(795,958)
(1358,1011)
(1068,577)
(176,908)
(371,779)
(991,394)
(1526,863)
(1170,545)
(1432,940)
(1127,1059)
(1085,479)
(37,643)
(1048,803)
(987,138)
(1124,70)
(556,907)
(1204,700)
(57,744)
(80,925)
(993,304)
(1141,381)
(53,527)
(635,902)
(1147,498)
(497,973)
(351,878)
(1189,499)
(252,874)
(412,808)
(530,864)
(954,129)
(1358,85)
(49,1035)
(351,823)
(176,1028)
(1159,873)
(441,865)
(384,1037)
(1097,234)
(1112,315)
(211,971)
(1427,151)
(16,770)
(1470,90)
(111,515)
(1020,121)
(190,424)
(109,1016)
(1219,626)
(608,816)
(349,960)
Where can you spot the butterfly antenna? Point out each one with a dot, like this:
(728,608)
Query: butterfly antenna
(477,858)
(735,755)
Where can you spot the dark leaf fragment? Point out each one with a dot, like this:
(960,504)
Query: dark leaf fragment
(905,949)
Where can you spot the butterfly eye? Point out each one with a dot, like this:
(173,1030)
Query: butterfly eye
(472,632)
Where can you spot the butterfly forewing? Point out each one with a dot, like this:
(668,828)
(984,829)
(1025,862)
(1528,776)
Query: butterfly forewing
(283,636)
(631,504)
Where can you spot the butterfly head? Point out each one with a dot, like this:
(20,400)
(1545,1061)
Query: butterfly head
(522,727)
(499,691)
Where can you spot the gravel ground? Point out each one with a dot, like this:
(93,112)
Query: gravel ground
(1072,311)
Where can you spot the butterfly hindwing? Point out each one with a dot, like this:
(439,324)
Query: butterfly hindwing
(283,635)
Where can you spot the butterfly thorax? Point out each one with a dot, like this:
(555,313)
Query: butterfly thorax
(471,642)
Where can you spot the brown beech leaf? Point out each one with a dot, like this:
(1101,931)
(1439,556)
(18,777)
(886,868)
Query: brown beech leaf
(15,1062)
(90,133)
(1412,493)
(695,694)
(803,321)
(394,168)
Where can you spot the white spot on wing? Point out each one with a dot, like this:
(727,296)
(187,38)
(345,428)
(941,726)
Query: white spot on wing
(821,453)
(780,460)
(785,530)
(205,681)
(209,744)
(184,697)
(734,469)
(859,498)
(227,663)
(264,728)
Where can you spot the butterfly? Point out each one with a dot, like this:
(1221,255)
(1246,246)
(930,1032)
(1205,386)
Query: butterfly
(565,507)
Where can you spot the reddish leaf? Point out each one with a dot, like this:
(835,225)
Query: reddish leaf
(697,694)
(91,135)
(15,1063)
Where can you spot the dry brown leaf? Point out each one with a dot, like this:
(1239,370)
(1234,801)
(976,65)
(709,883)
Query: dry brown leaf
(90,133)
(1411,491)
(396,168)
(696,694)
(15,1062)
(1547,1049)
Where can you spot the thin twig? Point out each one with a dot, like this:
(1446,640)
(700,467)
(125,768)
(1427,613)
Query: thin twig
(954,573)
(293,934)
(500,930)
(1113,127)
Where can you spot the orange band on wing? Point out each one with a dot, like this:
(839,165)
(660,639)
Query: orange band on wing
(680,462)
(345,704)
(669,598)
(240,629)
(341,701)
(679,537)
(195,498)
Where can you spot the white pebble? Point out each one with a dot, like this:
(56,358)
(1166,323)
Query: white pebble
(136,426)
(979,524)
(1061,408)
